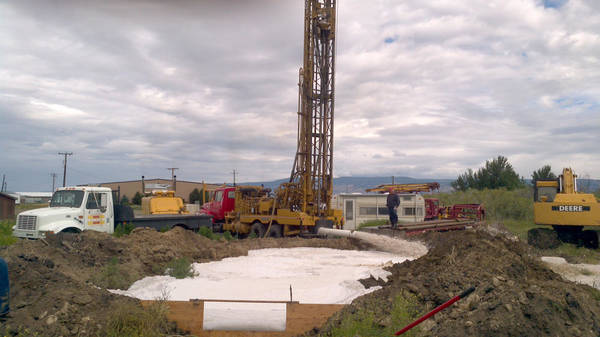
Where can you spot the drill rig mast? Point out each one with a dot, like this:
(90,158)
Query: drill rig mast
(310,186)
(304,202)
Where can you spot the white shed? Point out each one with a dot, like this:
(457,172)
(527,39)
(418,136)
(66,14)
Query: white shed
(359,208)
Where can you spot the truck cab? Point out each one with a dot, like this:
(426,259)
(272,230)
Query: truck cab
(221,202)
(72,209)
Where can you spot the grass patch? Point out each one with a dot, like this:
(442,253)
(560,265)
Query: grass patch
(207,232)
(519,227)
(227,236)
(111,276)
(180,268)
(574,254)
(133,320)
(366,323)
(123,229)
(373,223)
(500,204)
(6,237)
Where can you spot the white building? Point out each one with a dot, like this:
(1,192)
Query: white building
(359,208)
(33,197)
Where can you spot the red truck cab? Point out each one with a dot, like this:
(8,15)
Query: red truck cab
(222,202)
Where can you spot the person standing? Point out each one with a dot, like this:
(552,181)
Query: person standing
(4,309)
(392,203)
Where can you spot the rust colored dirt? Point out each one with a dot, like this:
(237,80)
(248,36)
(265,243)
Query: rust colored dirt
(54,289)
(516,294)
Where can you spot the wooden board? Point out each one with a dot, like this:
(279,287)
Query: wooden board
(300,318)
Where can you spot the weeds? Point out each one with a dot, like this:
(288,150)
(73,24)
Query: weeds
(112,276)
(500,204)
(206,232)
(227,236)
(133,320)
(180,268)
(123,229)
(6,237)
(364,322)
(373,223)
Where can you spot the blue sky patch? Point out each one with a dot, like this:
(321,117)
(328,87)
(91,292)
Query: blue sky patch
(554,3)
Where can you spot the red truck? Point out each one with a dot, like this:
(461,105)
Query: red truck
(222,202)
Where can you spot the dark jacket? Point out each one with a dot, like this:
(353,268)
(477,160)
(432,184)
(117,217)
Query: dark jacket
(3,288)
(393,200)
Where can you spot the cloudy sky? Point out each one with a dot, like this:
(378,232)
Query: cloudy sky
(424,88)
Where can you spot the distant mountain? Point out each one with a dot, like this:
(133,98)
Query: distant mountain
(360,184)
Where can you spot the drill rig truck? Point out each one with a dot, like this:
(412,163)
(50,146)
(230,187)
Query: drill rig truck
(557,203)
(303,204)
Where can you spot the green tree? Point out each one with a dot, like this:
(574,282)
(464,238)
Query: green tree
(543,173)
(195,195)
(497,173)
(124,200)
(137,198)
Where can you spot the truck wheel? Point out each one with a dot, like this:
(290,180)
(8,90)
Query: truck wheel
(543,238)
(276,231)
(589,239)
(257,229)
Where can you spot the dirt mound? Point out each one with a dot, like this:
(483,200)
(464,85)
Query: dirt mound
(57,284)
(516,295)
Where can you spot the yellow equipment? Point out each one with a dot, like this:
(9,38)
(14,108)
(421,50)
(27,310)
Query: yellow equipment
(406,188)
(303,203)
(163,202)
(559,204)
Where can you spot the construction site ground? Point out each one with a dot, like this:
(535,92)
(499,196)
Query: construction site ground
(57,289)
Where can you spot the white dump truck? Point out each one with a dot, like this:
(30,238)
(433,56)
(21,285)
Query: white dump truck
(75,209)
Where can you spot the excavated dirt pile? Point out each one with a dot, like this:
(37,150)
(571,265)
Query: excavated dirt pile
(515,294)
(57,288)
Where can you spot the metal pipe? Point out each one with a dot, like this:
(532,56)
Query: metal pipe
(345,233)
(436,310)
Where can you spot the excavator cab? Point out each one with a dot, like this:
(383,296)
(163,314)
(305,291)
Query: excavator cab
(545,190)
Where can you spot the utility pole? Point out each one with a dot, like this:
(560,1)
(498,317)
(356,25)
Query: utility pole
(65,167)
(53,180)
(393,180)
(172,175)
(234,173)
(3,180)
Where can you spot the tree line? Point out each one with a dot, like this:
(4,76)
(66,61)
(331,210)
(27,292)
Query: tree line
(498,173)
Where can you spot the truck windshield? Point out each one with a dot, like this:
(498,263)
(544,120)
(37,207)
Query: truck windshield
(67,199)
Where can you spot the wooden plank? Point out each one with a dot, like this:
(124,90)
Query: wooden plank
(300,318)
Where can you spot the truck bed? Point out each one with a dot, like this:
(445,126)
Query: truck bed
(125,214)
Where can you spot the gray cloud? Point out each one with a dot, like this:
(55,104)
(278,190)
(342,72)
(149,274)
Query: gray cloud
(424,89)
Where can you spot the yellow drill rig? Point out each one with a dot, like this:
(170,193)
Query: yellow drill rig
(557,203)
(304,202)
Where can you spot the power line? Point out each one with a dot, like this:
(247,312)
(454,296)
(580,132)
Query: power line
(65,167)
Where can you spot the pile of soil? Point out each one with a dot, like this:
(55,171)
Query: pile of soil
(55,291)
(516,295)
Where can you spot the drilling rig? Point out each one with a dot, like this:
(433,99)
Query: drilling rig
(303,204)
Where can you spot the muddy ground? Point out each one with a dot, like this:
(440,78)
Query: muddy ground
(516,294)
(57,288)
